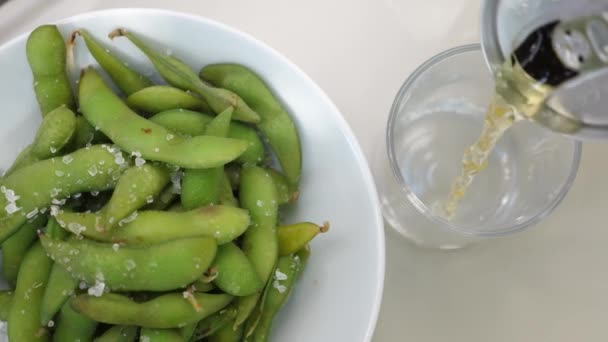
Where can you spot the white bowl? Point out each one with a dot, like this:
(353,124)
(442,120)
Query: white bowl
(339,296)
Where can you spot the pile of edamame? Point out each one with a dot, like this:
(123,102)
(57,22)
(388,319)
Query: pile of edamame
(149,213)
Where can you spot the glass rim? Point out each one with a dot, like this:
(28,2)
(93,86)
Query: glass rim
(410,198)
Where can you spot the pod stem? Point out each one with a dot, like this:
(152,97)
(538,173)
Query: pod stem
(325,227)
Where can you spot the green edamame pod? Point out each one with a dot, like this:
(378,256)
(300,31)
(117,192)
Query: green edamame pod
(282,187)
(15,248)
(156,99)
(165,198)
(46,53)
(119,333)
(6,299)
(160,335)
(221,222)
(227,334)
(276,123)
(180,75)
(24,316)
(258,194)
(85,134)
(61,284)
(202,187)
(24,158)
(73,327)
(55,132)
(136,187)
(127,79)
(289,268)
(177,311)
(294,237)
(236,275)
(34,188)
(165,266)
(226,194)
(191,123)
(213,323)
(134,134)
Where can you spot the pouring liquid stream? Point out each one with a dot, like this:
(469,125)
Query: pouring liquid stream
(507,107)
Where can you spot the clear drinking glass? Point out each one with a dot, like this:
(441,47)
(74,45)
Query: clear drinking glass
(437,114)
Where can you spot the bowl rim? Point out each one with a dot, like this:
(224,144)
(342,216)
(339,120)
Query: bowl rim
(367,179)
(411,199)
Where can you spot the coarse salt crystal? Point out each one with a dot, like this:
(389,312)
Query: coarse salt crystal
(279,287)
(115,247)
(128,219)
(97,289)
(93,171)
(59,173)
(53,149)
(67,159)
(156,149)
(32,213)
(139,161)
(170,137)
(51,324)
(150,199)
(11,208)
(94,193)
(280,275)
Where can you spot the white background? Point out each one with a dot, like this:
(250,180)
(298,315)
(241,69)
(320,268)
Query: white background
(547,284)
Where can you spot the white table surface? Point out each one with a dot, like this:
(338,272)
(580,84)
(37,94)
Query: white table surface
(546,284)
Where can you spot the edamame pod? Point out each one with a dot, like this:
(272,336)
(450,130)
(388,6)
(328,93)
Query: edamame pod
(119,333)
(202,187)
(227,334)
(210,325)
(176,310)
(156,99)
(258,194)
(221,222)
(24,316)
(236,274)
(34,188)
(73,327)
(15,248)
(53,135)
(136,187)
(61,284)
(85,135)
(191,123)
(46,54)
(160,335)
(55,132)
(294,237)
(6,299)
(289,268)
(180,75)
(24,158)
(280,182)
(276,123)
(134,134)
(160,267)
(226,194)
(127,79)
